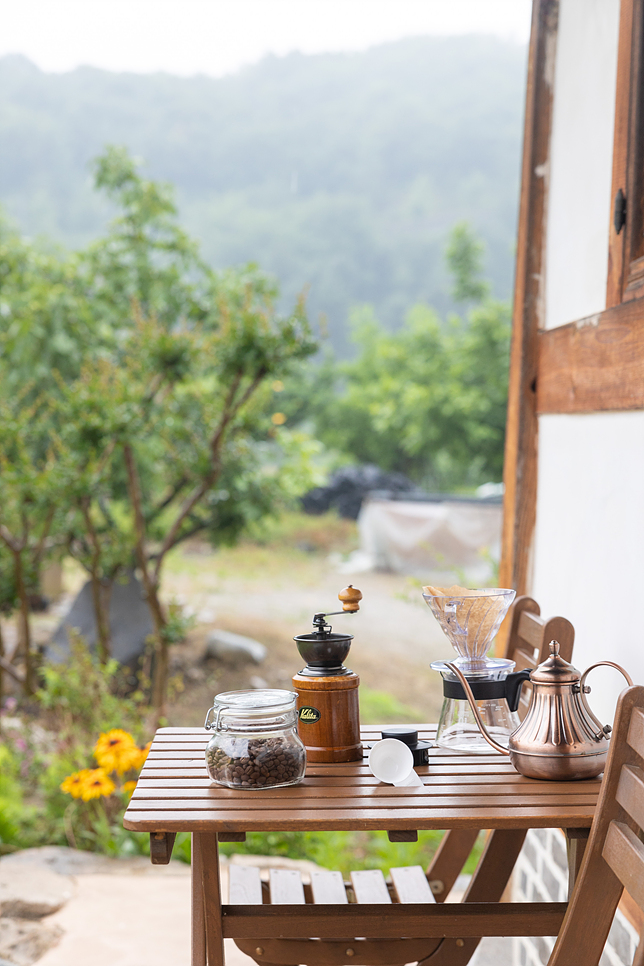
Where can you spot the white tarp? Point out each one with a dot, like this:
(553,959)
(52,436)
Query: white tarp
(447,539)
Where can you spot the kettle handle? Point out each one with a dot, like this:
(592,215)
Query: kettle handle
(604,730)
(475,711)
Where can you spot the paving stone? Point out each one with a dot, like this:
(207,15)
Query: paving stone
(32,893)
(66,861)
(23,942)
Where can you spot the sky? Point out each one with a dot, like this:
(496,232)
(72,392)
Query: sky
(218,37)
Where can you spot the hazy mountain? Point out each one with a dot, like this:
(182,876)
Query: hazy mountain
(343,172)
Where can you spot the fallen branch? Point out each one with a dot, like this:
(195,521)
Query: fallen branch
(11,670)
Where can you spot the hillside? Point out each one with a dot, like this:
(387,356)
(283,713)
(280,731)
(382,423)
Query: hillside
(342,172)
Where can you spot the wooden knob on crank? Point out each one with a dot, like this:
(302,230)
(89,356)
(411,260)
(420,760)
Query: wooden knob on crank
(350,598)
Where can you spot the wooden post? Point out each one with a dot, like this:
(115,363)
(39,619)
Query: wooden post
(520,472)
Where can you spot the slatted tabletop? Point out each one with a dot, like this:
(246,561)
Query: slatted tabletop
(174,793)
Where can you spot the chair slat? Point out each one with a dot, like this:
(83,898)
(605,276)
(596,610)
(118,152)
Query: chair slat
(524,659)
(244,886)
(636,732)
(369,886)
(630,792)
(328,887)
(286,887)
(624,853)
(411,885)
(531,629)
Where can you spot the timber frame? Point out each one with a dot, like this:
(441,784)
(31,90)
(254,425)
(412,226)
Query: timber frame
(593,364)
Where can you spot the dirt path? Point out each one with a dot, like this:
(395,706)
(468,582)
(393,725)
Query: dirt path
(271,594)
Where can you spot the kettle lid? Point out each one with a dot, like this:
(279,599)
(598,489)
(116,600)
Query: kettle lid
(554,669)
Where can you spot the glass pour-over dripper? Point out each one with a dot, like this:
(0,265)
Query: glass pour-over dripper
(470,619)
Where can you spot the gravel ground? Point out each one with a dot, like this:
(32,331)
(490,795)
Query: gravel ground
(126,912)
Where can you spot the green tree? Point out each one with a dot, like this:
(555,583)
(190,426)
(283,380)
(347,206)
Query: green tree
(161,428)
(428,400)
(30,498)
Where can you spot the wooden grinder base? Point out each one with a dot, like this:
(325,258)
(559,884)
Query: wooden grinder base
(335,735)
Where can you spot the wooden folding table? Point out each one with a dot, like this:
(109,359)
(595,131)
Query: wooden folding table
(459,793)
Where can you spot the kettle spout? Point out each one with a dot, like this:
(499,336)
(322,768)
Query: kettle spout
(475,711)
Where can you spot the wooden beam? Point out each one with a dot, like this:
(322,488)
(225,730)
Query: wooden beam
(416,920)
(595,364)
(161,845)
(520,472)
(617,242)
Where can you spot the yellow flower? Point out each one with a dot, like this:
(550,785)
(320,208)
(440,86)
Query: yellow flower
(116,751)
(278,419)
(97,784)
(74,785)
(142,755)
(128,787)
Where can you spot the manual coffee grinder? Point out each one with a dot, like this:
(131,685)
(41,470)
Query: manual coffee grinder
(327,691)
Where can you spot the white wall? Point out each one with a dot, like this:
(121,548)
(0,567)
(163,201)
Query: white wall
(589,546)
(588,556)
(581,153)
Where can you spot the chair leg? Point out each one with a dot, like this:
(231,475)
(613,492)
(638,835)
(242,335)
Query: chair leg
(450,857)
(488,885)
(589,917)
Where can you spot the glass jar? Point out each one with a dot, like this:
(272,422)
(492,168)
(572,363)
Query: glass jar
(254,743)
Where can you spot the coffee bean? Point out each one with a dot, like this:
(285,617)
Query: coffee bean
(266,762)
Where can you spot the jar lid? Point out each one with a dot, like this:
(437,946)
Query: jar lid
(403,733)
(255,703)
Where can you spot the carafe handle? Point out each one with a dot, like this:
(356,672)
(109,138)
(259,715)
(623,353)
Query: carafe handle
(603,730)
(513,685)
(475,711)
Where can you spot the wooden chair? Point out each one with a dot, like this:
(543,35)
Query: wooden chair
(528,641)
(614,858)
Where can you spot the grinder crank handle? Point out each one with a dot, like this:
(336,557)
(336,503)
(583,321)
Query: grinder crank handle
(350,598)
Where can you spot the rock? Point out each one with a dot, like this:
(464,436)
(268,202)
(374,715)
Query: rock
(31,893)
(54,858)
(66,861)
(130,622)
(234,648)
(23,942)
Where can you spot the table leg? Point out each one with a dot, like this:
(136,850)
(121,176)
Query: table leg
(211,891)
(197,922)
(576,842)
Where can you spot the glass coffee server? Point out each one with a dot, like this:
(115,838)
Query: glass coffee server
(470,620)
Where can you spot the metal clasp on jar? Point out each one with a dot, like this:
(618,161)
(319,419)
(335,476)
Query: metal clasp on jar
(210,725)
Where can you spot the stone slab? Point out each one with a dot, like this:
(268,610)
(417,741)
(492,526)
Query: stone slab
(32,893)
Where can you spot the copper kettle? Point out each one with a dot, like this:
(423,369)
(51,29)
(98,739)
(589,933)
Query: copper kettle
(559,738)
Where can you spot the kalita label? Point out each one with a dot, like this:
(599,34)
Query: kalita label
(309,715)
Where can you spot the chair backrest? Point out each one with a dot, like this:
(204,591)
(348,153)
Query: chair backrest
(529,637)
(614,858)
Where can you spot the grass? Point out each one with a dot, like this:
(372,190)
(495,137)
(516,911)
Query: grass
(338,850)
(378,706)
